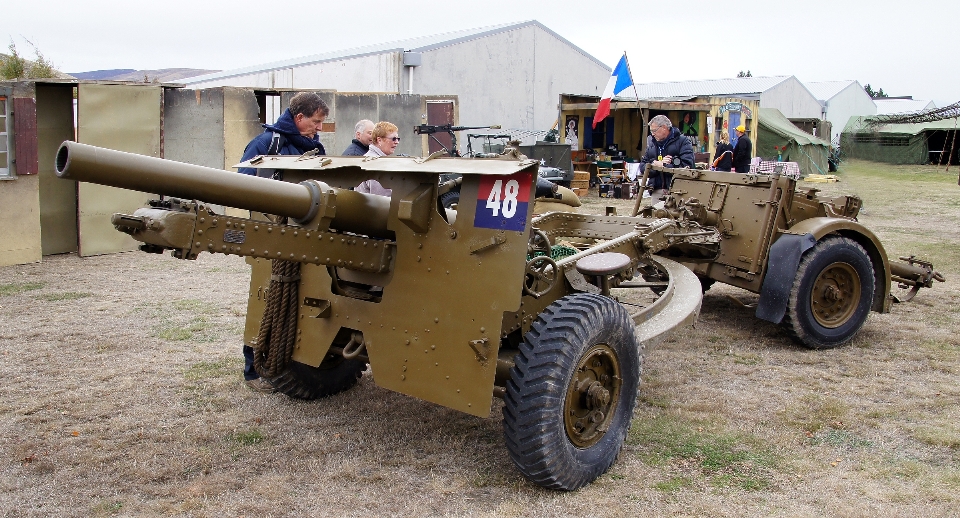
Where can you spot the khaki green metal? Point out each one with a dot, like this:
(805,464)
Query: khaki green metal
(441,302)
(58,200)
(125,118)
(435,295)
(752,211)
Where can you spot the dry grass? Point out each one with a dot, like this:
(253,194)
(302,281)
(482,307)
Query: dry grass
(122,395)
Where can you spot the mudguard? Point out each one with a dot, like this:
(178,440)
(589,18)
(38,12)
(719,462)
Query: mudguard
(782,264)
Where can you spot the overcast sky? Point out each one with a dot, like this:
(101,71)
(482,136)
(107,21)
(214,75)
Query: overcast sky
(906,48)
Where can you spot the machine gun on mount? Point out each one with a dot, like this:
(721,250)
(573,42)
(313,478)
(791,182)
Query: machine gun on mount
(449,129)
(450,186)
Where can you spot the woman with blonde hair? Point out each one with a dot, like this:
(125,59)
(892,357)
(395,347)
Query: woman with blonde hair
(385,141)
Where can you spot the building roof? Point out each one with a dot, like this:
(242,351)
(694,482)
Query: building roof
(889,106)
(826,90)
(717,87)
(419,44)
(859,124)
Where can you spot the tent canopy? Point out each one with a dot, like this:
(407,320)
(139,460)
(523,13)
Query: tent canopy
(776,131)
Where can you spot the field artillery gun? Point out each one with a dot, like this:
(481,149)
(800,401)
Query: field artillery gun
(818,270)
(453,307)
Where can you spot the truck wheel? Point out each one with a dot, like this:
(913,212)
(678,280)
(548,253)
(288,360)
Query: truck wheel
(572,391)
(449,199)
(333,376)
(832,293)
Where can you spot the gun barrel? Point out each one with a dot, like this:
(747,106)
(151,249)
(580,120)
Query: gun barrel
(93,164)
(355,212)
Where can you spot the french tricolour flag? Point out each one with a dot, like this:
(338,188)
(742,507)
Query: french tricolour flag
(619,81)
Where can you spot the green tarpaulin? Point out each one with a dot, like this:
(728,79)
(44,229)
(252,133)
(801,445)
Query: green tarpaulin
(776,131)
(919,143)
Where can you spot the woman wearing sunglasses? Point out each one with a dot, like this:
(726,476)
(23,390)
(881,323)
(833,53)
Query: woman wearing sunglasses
(385,141)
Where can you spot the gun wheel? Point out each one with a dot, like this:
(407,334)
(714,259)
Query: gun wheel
(832,293)
(572,391)
(333,376)
(450,199)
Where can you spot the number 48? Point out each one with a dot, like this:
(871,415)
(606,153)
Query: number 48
(508,206)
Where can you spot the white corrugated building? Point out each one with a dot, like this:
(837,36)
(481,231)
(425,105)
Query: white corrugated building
(785,93)
(509,74)
(890,106)
(841,100)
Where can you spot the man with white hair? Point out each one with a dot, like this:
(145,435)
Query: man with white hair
(668,149)
(364,136)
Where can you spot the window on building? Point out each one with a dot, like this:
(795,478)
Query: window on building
(883,140)
(5,144)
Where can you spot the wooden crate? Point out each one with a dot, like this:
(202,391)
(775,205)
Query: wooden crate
(580,184)
(579,176)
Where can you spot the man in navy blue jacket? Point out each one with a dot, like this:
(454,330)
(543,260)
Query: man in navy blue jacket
(295,132)
(668,144)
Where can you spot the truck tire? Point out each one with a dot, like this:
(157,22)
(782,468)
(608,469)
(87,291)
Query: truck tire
(576,375)
(832,293)
(449,199)
(333,376)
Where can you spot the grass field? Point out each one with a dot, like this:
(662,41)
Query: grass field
(122,396)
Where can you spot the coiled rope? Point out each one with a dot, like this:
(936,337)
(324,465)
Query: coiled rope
(278,329)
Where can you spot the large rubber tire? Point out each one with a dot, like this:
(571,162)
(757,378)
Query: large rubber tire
(449,199)
(832,293)
(333,376)
(582,341)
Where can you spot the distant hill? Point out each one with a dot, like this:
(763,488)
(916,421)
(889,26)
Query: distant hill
(102,74)
(166,75)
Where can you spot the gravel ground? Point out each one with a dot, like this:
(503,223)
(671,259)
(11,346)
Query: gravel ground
(122,395)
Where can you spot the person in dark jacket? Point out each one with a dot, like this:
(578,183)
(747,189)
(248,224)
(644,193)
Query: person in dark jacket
(364,136)
(723,158)
(668,144)
(295,132)
(743,151)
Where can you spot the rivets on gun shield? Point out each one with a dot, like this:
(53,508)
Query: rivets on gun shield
(199,232)
(269,229)
(283,231)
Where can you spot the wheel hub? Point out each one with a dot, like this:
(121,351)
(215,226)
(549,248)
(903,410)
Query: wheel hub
(592,396)
(835,295)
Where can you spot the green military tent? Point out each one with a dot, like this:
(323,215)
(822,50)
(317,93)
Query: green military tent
(906,143)
(776,131)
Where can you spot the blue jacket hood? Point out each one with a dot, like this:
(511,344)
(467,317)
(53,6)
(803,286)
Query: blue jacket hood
(284,124)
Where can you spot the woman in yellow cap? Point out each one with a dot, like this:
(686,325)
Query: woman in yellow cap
(742,151)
